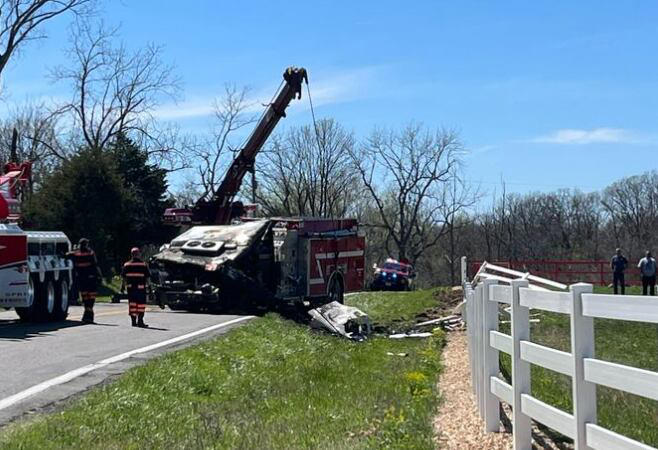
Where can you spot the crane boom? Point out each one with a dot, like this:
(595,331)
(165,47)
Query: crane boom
(220,209)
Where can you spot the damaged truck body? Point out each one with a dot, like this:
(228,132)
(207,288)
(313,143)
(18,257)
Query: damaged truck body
(261,261)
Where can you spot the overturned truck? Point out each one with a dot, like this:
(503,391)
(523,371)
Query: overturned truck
(260,261)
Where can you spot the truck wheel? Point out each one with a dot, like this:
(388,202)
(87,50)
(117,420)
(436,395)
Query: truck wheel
(28,312)
(45,301)
(62,295)
(335,291)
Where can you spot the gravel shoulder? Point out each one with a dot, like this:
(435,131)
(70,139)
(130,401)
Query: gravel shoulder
(458,425)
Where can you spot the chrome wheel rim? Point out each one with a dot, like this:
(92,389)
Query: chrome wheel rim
(50,297)
(64,305)
(30,292)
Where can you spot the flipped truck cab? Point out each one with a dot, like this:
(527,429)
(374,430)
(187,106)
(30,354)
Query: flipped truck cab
(260,261)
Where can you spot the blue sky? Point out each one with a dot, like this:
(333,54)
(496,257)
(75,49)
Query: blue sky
(544,94)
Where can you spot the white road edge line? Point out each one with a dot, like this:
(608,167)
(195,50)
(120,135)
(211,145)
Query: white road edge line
(16,398)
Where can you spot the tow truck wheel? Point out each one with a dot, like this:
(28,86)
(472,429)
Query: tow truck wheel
(335,291)
(45,301)
(62,300)
(28,312)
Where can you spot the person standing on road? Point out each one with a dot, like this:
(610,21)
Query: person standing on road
(647,266)
(136,277)
(618,266)
(87,274)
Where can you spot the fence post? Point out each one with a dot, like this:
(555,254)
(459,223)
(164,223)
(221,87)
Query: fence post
(520,369)
(582,346)
(490,358)
(464,270)
(468,310)
(477,354)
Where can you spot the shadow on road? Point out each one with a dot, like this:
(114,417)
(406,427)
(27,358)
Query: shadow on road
(155,328)
(15,330)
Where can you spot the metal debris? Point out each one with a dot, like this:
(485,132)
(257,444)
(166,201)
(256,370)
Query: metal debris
(346,321)
(453,322)
(449,319)
(409,335)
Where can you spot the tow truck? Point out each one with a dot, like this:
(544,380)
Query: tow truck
(35,275)
(224,257)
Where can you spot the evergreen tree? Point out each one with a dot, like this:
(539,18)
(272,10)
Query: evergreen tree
(116,198)
(147,186)
(84,197)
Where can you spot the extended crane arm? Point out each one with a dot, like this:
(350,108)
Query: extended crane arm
(220,209)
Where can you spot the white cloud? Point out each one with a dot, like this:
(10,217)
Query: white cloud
(593,136)
(332,87)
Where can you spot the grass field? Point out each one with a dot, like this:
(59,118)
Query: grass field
(629,343)
(272,383)
(107,289)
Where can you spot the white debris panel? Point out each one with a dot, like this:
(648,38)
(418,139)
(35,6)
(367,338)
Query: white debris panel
(346,321)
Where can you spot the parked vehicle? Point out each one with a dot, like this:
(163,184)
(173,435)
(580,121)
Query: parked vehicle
(35,275)
(394,275)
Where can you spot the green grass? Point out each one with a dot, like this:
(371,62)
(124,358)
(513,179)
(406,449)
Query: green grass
(395,308)
(630,290)
(269,384)
(629,343)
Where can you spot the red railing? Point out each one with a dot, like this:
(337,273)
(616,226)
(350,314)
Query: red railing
(566,271)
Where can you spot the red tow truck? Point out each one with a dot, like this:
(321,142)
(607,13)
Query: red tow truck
(35,275)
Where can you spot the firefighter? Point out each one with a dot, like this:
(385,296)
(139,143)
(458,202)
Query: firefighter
(87,274)
(136,277)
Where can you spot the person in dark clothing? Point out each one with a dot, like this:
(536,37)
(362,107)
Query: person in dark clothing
(618,266)
(136,276)
(647,266)
(87,274)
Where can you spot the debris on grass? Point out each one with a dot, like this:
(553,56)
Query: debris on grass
(346,321)
(450,319)
(409,335)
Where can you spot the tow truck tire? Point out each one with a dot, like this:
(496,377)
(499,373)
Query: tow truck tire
(28,313)
(62,298)
(45,301)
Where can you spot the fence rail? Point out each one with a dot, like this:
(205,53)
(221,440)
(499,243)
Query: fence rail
(596,271)
(482,299)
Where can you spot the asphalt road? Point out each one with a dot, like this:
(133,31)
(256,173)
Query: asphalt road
(43,364)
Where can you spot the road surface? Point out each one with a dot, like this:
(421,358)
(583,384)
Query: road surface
(42,364)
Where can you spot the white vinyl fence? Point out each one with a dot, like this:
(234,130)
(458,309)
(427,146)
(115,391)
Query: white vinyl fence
(485,342)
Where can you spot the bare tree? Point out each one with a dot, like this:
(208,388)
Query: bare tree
(403,173)
(115,91)
(632,207)
(37,136)
(21,21)
(308,172)
(457,198)
(186,195)
(211,158)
